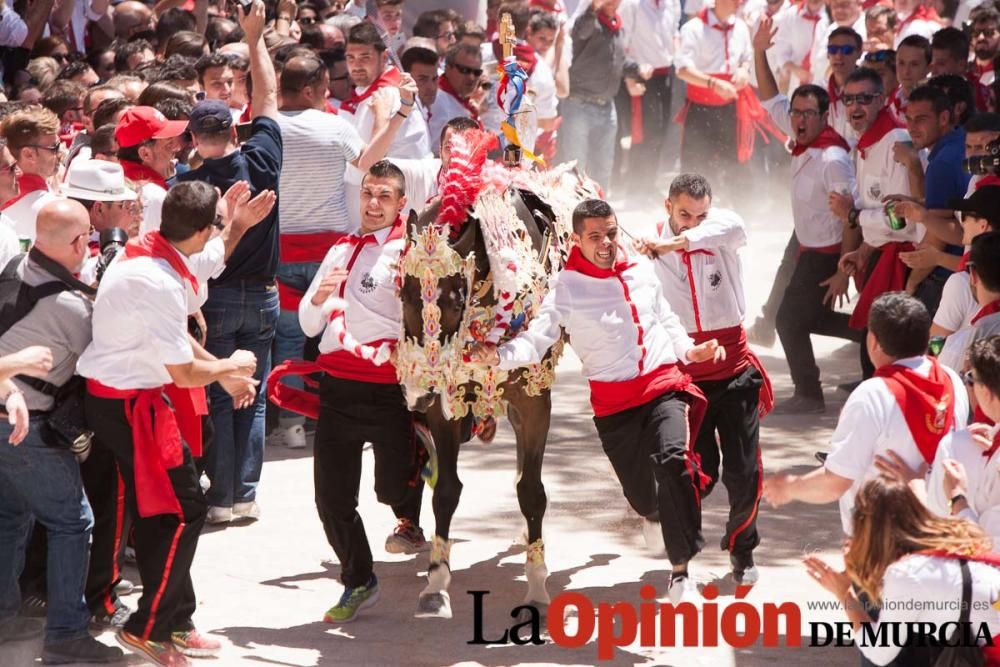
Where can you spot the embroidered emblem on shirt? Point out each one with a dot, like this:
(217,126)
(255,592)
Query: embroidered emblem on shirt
(367,284)
(875,191)
(715,279)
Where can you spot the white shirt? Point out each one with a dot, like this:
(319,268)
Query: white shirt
(796,36)
(958,304)
(597,313)
(716,279)
(820,61)
(316,149)
(10,245)
(374,311)
(445,107)
(982,493)
(920,27)
(24,212)
(542,87)
(815,173)
(879,175)
(872,423)
(651,29)
(140,326)
(928,589)
(411,140)
(151,197)
(703,47)
(421,182)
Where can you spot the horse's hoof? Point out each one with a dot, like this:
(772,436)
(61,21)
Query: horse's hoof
(541,612)
(434,605)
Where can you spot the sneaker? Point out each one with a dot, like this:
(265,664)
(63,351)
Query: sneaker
(652,532)
(821,456)
(800,405)
(761,334)
(293,437)
(115,620)
(124,587)
(35,606)
(249,511)
(159,653)
(406,539)
(219,515)
(17,628)
(745,573)
(352,602)
(683,589)
(130,555)
(84,649)
(195,644)
(849,386)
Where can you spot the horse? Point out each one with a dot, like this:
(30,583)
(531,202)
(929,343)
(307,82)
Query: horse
(482,277)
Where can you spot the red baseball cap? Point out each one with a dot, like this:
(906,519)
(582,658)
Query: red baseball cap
(140,124)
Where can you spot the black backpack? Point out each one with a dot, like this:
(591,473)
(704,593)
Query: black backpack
(17,299)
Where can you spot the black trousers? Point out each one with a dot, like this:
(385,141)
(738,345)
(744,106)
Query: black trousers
(803,313)
(164,545)
(730,436)
(644,158)
(929,292)
(648,448)
(769,312)
(709,148)
(113,520)
(351,414)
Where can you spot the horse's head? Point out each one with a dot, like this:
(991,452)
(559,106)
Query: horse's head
(437,274)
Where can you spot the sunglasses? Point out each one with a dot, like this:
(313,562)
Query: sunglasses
(843,49)
(880,56)
(54,147)
(467,71)
(864,99)
(309,20)
(984,32)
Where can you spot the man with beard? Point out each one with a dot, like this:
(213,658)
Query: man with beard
(985,41)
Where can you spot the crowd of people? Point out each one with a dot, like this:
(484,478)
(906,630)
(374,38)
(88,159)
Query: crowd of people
(194,192)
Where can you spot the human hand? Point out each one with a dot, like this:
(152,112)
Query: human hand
(17,416)
(851,262)
(249,212)
(763,39)
(243,390)
(246,363)
(634,88)
(840,205)
(741,78)
(838,583)
(980,434)
(894,467)
(776,489)
(407,89)
(34,361)
(710,350)
(836,289)
(724,89)
(252,22)
(955,479)
(907,207)
(288,8)
(924,257)
(905,154)
(328,285)
(651,247)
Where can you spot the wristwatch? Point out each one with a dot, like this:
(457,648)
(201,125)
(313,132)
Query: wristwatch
(852,218)
(955,499)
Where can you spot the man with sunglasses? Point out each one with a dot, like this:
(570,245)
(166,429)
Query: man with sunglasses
(843,14)
(463,72)
(32,136)
(883,61)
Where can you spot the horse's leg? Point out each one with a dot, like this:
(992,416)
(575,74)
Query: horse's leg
(434,600)
(530,416)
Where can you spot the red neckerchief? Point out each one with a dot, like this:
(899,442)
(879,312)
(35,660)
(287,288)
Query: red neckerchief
(921,13)
(807,15)
(359,241)
(26,184)
(390,77)
(445,85)
(577,262)
(883,125)
(896,100)
(612,23)
(554,7)
(991,179)
(964,262)
(828,137)
(246,116)
(134,171)
(152,244)
(724,28)
(831,89)
(927,403)
(992,308)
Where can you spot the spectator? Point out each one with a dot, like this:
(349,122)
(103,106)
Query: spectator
(985,41)
(438,26)
(915,18)
(883,62)
(215,76)
(65,100)
(456,87)
(913,62)
(129,56)
(32,136)
(187,44)
(420,61)
(389,16)
(880,26)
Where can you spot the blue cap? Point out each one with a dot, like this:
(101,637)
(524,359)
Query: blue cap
(209,117)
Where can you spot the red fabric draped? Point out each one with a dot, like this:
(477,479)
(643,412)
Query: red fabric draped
(390,77)
(884,123)
(927,403)
(140,173)
(152,244)
(445,86)
(26,184)
(991,308)
(828,137)
(739,357)
(889,275)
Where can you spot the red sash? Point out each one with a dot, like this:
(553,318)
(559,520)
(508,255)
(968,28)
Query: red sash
(300,248)
(140,173)
(831,89)
(991,308)
(26,184)
(156,443)
(190,403)
(739,357)
(814,17)
(884,123)
(390,77)
(889,275)
(927,403)
(445,86)
(828,137)
(964,262)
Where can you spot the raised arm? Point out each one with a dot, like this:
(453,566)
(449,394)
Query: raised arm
(264,100)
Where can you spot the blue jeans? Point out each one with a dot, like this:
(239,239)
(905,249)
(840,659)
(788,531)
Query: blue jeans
(41,483)
(238,318)
(290,341)
(587,135)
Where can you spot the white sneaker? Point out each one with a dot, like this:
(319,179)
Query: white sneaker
(684,590)
(293,437)
(653,534)
(250,510)
(219,515)
(747,577)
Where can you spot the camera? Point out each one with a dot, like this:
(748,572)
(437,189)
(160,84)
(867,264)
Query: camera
(111,241)
(984,165)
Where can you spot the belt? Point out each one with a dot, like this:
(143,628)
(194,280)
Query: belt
(266,282)
(591,99)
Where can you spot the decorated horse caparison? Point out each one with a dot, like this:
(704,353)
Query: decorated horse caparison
(476,268)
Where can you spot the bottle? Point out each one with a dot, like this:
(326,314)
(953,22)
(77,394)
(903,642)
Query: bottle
(935,346)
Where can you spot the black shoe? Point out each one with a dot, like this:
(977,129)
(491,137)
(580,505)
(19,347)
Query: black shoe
(800,405)
(113,621)
(821,456)
(849,386)
(85,650)
(35,606)
(761,334)
(17,628)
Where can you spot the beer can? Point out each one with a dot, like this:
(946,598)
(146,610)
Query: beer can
(935,346)
(896,222)
(25,243)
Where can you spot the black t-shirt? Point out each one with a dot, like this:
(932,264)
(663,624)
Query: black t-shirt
(259,163)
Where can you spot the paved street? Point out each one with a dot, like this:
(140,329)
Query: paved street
(265,586)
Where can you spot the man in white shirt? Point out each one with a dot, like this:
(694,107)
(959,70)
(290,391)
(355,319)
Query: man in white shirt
(843,14)
(463,71)
(140,345)
(32,138)
(820,165)
(701,274)
(909,407)
(646,410)
(352,304)
(799,28)
(915,18)
(913,63)
(651,28)
(878,175)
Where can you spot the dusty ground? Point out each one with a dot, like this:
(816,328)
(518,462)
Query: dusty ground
(265,587)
